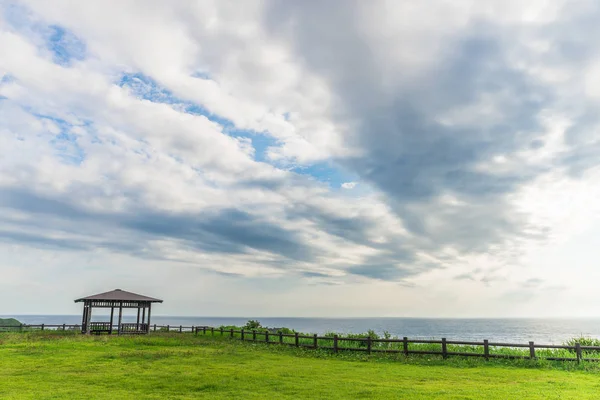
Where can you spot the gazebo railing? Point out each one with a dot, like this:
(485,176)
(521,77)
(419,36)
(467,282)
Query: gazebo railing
(134,328)
(97,327)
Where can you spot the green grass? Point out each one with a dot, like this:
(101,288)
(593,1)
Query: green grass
(51,365)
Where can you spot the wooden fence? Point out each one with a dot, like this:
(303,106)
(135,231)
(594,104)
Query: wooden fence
(368,344)
(371,345)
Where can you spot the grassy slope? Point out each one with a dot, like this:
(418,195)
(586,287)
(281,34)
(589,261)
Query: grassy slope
(51,366)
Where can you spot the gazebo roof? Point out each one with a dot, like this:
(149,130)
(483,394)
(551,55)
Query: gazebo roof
(119,295)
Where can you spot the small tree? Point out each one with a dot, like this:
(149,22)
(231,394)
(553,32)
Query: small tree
(252,324)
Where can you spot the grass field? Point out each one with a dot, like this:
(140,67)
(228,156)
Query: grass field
(50,365)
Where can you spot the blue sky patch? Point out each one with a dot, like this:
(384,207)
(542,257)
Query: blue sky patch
(327,172)
(6,79)
(68,149)
(65,46)
(3,81)
(64,142)
(16,15)
(201,75)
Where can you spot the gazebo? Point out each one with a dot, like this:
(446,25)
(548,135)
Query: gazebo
(119,299)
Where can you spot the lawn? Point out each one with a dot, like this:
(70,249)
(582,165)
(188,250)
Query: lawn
(49,365)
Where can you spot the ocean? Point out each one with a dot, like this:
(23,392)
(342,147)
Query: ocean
(510,330)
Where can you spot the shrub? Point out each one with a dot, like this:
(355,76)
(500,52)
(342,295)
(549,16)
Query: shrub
(252,325)
(285,331)
(584,341)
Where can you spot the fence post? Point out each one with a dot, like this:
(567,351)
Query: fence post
(168,328)
(193,328)
(254,335)
(486,349)
(42,326)
(335,343)
(64,326)
(280,337)
(369,344)
(231,332)
(531,351)
(154,327)
(297,341)
(316,341)
(578,351)
(212,331)
(267,336)
(242,333)
(180,328)
(405,345)
(204,330)
(221,331)
(196,331)
(444,348)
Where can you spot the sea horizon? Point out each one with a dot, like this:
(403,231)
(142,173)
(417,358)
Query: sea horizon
(512,329)
(311,317)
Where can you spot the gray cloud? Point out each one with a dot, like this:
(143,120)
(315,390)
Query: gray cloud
(489,279)
(532,283)
(225,230)
(406,152)
(464,277)
(384,267)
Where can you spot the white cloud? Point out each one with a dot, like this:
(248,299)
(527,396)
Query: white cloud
(473,128)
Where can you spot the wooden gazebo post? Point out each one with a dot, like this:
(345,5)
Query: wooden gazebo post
(120,317)
(83,317)
(143,314)
(88,320)
(149,310)
(112,313)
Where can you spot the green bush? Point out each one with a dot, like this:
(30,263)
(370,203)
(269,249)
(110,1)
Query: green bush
(584,341)
(285,331)
(11,324)
(252,325)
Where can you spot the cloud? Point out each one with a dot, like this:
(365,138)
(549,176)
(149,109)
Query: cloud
(489,279)
(465,277)
(532,283)
(217,135)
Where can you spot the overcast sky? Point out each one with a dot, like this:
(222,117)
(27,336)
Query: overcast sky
(302,158)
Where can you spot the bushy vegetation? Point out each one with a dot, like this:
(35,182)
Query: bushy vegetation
(583,341)
(11,323)
(253,325)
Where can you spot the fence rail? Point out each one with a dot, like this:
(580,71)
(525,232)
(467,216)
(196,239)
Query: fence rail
(368,344)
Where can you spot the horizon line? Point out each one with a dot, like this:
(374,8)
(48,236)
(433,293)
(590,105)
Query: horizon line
(298,317)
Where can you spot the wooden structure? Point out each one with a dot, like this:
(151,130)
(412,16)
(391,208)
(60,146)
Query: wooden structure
(118,299)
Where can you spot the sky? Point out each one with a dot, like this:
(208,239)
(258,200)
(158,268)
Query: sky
(312,159)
